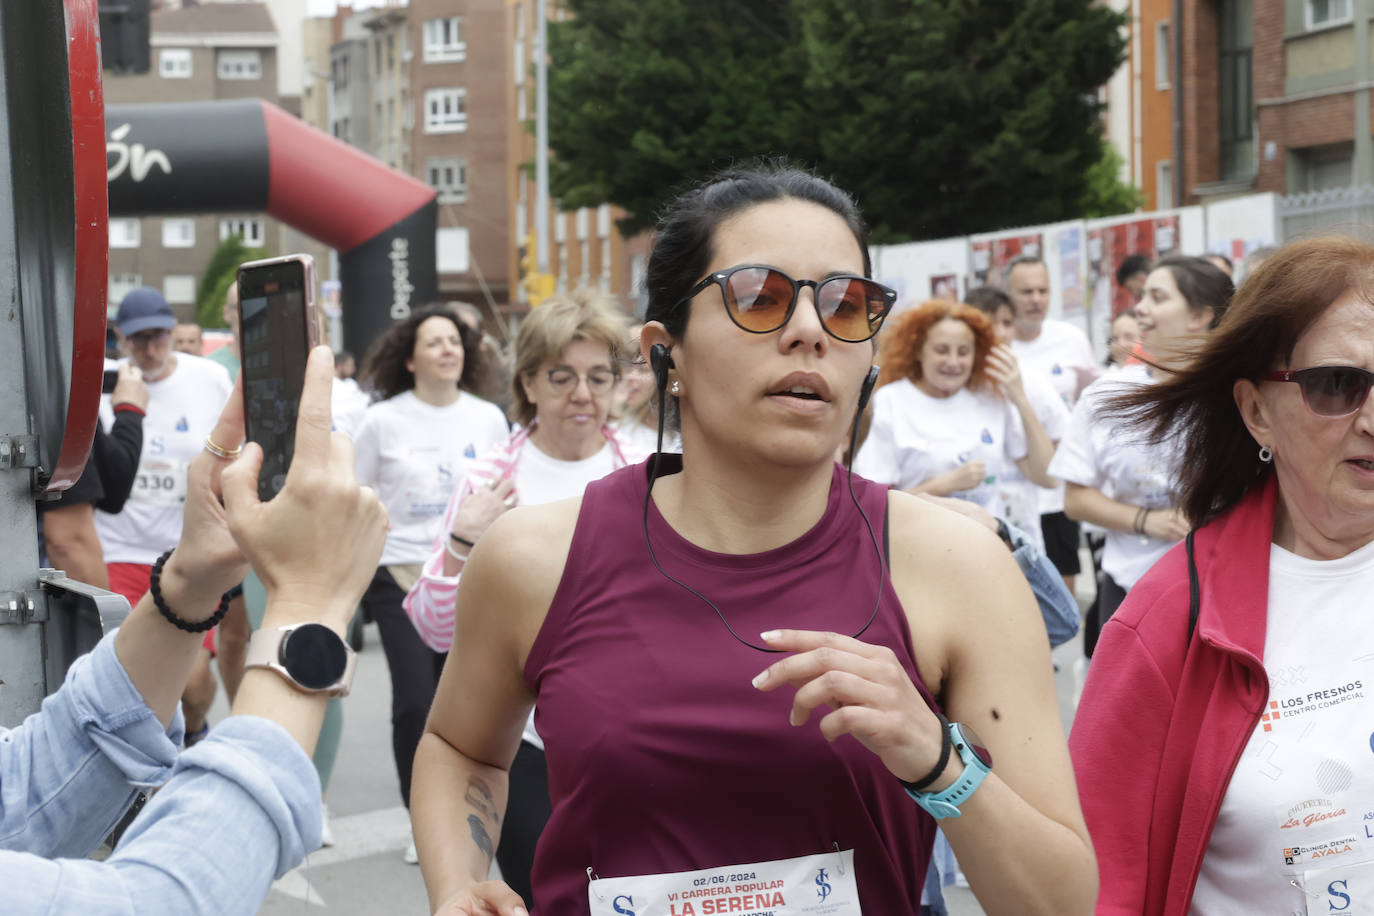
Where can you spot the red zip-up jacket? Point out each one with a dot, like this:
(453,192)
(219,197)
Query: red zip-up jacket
(1163,721)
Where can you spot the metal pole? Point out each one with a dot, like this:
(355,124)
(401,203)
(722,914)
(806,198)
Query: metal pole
(541,137)
(1364,148)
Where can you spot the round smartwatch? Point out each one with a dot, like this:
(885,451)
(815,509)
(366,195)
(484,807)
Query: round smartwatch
(977,764)
(310,656)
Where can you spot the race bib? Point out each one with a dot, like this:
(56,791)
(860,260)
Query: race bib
(1348,890)
(821,885)
(160,482)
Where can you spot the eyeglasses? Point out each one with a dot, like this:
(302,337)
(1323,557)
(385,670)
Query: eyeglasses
(761,299)
(564,380)
(1329,391)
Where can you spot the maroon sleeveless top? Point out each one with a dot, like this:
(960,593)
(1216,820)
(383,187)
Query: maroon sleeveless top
(662,755)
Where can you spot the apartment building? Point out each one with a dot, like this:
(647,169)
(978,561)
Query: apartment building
(443,89)
(199,53)
(1270,95)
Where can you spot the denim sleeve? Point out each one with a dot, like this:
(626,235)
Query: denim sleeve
(242,808)
(1058,607)
(68,772)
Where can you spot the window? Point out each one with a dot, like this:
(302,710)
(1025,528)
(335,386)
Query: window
(391,51)
(238,65)
(586,247)
(562,265)
(603,221)
(125,233)
(1164,185)
(1327,167)
(446,111)
(560,227)
(605,264)
(448,176)
(120,286)
(174,63)
(522,111)
(1322,13)
(451,250)
(250,228)
(1236,119)
(443,40)
(179,289)
(178,233)
(1163,54)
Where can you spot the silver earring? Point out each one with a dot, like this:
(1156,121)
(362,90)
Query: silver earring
(1266,454)
(676,388)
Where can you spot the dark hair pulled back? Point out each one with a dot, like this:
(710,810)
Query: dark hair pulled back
(683,245)
(1201,283)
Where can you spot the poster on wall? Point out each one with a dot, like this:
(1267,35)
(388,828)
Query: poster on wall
(1070,274)
(945,286)
(1108,246)
(990,257)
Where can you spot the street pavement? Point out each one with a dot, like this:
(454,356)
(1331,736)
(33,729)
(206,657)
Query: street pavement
(363,873)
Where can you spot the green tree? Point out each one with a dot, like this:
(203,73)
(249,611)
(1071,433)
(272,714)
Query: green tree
(221,271)
(1104,194)
(942,116)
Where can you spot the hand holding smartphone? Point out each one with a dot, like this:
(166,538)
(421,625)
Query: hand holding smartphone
(278,326)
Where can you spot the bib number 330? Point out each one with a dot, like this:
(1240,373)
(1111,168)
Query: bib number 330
(160,483)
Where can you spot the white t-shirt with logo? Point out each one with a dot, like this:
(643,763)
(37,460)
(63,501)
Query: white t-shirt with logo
(1021,498)
(541,478)
(1300,804)
(1106,454)
(914,437)
(183,409)
(414,454)
(1056,356)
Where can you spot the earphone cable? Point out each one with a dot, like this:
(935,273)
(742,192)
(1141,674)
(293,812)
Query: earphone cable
(648,493)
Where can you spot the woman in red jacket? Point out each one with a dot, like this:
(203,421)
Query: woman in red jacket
(1223,747)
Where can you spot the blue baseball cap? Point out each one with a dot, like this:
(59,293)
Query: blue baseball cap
(144,309)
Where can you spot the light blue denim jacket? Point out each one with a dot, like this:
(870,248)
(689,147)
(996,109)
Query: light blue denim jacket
(1058,607)
(239,809)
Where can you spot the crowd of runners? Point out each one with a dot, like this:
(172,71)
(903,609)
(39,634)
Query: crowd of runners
(653,646)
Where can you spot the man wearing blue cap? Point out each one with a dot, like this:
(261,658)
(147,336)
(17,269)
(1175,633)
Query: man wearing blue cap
(185,396)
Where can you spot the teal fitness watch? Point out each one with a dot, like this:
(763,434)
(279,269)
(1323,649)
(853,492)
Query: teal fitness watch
(977,764)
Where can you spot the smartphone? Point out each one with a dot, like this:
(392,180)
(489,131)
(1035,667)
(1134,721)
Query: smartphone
(109,380)
(278,324)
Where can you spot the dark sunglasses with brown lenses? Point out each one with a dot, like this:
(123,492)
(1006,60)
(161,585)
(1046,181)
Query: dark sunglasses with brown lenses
(761,299)
(1329,391)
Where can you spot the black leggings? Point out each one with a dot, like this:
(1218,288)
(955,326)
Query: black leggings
(414,667)
(1109,598)
(527,811)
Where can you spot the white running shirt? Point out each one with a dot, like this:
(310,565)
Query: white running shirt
(914,437)
(1103,454)
(414,454)
(183,408)
(1055,355)
(1300,804)
(1021,498)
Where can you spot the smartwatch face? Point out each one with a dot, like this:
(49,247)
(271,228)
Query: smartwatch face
(976,745)
(315,656)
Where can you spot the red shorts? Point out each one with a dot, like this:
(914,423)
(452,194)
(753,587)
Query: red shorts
(131,581)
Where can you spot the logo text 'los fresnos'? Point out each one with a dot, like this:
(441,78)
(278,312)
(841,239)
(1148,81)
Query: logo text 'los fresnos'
(401,288)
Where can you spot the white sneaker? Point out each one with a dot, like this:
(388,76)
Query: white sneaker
(326,835)
(412,857)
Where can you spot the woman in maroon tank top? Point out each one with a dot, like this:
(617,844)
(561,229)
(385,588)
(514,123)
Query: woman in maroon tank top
(690,772)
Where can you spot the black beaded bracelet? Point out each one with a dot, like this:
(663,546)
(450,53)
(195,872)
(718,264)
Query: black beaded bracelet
(464,541)
(946,747)
(154,586)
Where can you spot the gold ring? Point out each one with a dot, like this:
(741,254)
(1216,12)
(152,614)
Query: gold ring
(220,451)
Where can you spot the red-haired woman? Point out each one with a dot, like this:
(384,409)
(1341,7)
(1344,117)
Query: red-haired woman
(951,414)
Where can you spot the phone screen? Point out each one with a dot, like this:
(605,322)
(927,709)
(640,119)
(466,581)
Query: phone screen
(274,342)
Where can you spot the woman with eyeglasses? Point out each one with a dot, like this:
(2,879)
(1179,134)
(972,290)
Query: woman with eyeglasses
(1121,481)
(736,654)
(1223,741)
(412,446)
(952,417)
(568,354)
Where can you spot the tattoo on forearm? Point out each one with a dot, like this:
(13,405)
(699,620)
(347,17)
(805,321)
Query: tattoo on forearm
(482,800)
(480,835)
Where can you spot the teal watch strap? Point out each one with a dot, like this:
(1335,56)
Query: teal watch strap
(977,764)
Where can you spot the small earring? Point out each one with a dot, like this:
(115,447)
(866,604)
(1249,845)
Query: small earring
(1266,454)
(675,389)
